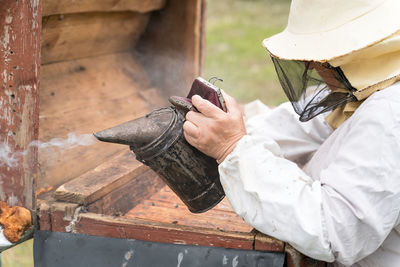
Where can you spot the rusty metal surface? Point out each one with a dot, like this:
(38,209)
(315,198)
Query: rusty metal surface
(20,25)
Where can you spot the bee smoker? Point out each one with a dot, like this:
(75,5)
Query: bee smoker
(157,140)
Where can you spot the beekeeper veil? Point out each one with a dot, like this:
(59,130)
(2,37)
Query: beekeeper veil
(313,87)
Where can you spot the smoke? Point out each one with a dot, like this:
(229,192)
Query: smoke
(73,140)
(10,159)
(7,157)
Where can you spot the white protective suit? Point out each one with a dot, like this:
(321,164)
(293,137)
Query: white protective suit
(343,205)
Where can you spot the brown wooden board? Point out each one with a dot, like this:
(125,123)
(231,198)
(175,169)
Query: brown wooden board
(63,216)
(85,96)
(126,197)
(69,217)
(52,7)
(166,207)
(44,214)
(72,36)
(100,181)
(20,24)
(267,243)
(94,224)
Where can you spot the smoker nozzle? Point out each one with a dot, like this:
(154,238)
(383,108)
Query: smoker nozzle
(138,132)
(121,134)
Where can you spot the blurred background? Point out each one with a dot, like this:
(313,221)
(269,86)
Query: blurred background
(235,30)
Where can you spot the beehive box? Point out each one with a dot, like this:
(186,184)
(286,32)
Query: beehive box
(70,68)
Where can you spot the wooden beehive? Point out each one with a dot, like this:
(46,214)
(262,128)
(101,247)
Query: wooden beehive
(83,66)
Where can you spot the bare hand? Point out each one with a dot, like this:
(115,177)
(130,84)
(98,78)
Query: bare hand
(213,131)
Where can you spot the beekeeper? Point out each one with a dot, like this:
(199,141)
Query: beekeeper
(324,177)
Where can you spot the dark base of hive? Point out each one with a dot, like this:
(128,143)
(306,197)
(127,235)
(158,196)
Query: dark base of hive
(64,249)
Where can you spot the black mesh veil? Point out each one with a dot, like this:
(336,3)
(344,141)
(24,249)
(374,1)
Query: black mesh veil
(313,87)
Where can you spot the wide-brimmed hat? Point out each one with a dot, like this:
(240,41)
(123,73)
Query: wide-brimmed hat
(321,30)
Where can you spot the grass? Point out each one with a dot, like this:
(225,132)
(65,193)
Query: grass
(235,30)
(18,256)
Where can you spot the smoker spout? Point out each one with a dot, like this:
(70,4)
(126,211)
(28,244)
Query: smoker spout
(120,134)
(135,133)
(139,132)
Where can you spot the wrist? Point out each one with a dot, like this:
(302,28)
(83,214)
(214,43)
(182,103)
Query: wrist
(228,150)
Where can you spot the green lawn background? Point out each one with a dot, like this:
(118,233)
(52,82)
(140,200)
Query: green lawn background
(235,30)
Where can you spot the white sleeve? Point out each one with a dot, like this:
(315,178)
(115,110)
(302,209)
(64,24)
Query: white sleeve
(344,214)
(275,196)
(297,140)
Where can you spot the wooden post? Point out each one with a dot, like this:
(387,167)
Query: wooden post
(20,25)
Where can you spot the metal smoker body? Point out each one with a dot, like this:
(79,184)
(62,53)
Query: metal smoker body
(157,140)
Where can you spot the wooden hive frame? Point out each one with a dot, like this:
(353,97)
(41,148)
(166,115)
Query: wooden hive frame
(99,69)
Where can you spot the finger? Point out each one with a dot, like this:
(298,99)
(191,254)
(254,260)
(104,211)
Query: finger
(190,129)
(195,117)
(231,104)
(191,140)
(205,107)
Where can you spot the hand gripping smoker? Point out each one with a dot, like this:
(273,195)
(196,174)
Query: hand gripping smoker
(157,140)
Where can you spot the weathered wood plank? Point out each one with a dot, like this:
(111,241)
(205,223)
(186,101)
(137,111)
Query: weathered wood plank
(267,243)
(126,197)
(69,217)
(51,7)
(20,26)
(85,96)
(166,207)
(63,216)
(94,224)
(214,219)
(44,215)
(72,36)
(102,180)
